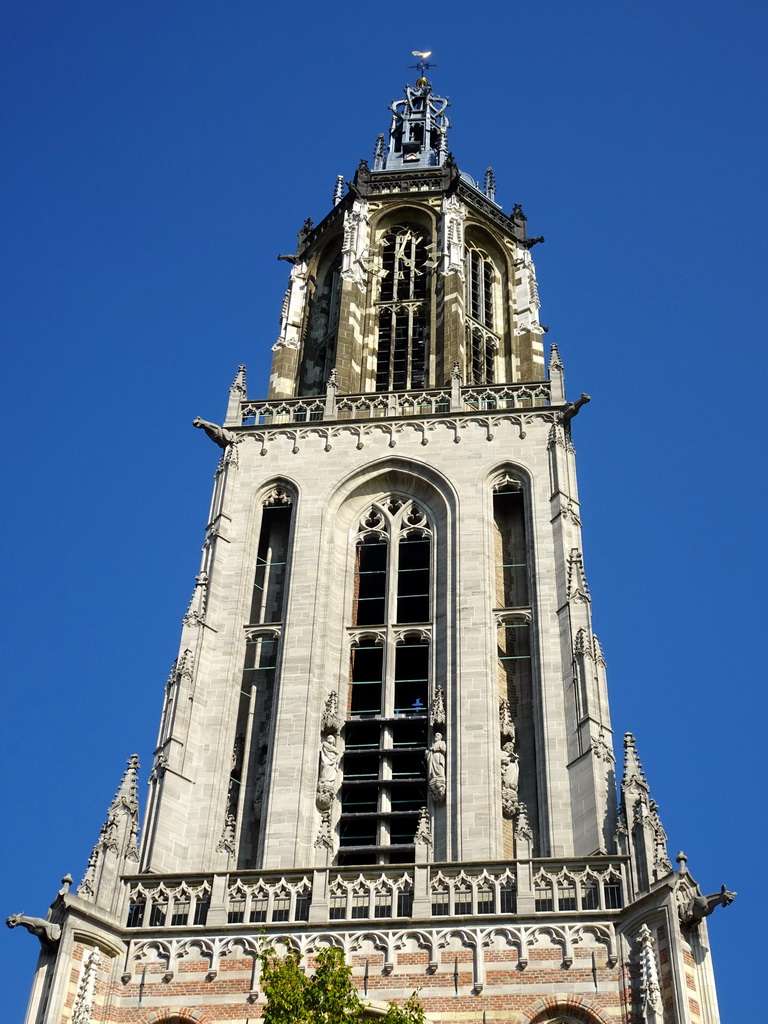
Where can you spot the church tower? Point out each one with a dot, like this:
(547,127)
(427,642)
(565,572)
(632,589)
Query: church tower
(387,728)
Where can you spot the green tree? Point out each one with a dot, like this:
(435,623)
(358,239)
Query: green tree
(292,998)
(328,997)
(409,1013)
(284,988)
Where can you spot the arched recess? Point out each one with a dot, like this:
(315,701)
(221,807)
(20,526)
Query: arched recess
(320,331)
(569,1009)
(486,314)
(97,940)
(274,526)
(388,529)
(402,261)
(182,1015)
(413,213)
(511,575)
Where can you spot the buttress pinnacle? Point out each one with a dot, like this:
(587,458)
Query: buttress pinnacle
(633,769)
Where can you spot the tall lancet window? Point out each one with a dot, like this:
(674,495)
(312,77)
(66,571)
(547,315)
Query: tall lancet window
(385,736)
(513,614)
(482,319)
(250,755)
(512,594)
(403,309)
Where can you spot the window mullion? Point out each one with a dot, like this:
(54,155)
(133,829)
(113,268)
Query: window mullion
(388,696)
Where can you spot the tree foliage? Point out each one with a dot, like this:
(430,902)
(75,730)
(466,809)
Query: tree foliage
(409,1013)
(327,997)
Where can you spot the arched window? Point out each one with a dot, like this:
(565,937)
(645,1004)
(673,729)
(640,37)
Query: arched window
(386,732)
(403,309)
(482,327)
(250,754)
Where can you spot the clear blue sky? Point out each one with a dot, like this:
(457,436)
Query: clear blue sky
(159,155)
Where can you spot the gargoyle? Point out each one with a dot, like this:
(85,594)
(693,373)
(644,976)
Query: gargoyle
(48,932)
(573,407)
(217,434)
(696,909)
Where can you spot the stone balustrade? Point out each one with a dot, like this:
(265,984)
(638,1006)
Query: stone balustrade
(381,405)
(420,892)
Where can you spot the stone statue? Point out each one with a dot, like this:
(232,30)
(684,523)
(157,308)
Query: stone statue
(329,767)
(435,757)
(695,910)
(48,932)
(217,434)
(510,774)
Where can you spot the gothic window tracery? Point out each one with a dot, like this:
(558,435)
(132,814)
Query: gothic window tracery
(483,327)
(403,308)
(385,774)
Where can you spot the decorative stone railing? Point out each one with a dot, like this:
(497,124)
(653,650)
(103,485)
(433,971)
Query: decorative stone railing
(382,405)
(594,885)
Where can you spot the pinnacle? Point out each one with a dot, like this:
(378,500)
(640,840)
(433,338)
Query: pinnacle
(127,790)
(238,384)
(633,769)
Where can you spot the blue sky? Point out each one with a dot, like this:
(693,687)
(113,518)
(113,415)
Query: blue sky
(157,158)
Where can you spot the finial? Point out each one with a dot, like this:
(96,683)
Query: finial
(65,884)
(490,184)
(127,787)
(338,189)
(423,66)
(238,384)
(423,836)
(682,860)
(306,229)
(378,153)
(633,769)
(523,828)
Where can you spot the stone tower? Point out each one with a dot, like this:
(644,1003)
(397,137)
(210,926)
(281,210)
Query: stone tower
(387,728)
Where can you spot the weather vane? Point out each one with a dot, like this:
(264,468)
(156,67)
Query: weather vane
(423,65)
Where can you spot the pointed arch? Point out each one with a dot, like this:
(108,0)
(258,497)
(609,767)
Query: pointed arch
(385,543)
(402,261)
